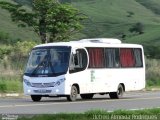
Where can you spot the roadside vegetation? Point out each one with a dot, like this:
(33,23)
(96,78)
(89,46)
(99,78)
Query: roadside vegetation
(152,74)
(12,61)
(146,114)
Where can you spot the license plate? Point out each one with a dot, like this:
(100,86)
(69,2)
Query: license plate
(42,91)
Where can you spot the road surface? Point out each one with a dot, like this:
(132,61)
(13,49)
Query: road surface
(131,101)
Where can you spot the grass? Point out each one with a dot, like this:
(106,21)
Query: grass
(11,77)
(10,84)
(152,72)
(146,114)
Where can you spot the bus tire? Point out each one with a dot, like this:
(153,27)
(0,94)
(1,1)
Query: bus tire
(73,94)
(118,94)
(36,98)
(87,96)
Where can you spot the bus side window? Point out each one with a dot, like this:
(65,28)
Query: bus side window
(138,57)
(112,58)
(78,61)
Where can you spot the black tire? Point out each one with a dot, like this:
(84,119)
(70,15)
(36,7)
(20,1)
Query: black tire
(36,98)
(73,94)
(112,95)
(118,94)
(87,96)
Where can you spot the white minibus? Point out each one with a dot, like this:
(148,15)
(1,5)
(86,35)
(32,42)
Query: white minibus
(85,67)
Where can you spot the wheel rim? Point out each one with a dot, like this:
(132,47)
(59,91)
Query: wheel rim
(120,91)
(74,93)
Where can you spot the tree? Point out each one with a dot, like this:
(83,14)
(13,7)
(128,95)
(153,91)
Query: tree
(138,28)
(51,20)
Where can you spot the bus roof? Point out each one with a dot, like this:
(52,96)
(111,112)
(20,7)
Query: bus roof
(96,42)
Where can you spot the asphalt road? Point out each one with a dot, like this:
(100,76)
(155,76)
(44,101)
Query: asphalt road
(131,100)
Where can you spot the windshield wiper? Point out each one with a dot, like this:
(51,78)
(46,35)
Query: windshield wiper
(42,63)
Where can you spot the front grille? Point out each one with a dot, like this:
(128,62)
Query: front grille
(42,85)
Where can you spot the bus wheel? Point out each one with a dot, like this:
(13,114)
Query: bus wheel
(86,96)
(36,98)
(118,94)
(73,94)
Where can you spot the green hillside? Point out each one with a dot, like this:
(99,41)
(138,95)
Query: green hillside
(106,18)
(23,2)
(114,18)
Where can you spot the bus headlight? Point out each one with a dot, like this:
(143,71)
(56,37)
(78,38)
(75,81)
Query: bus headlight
(27,82)
(60,81)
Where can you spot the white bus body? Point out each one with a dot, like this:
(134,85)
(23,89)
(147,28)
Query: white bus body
(85,67)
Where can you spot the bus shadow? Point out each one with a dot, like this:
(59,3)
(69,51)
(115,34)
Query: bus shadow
(79,100)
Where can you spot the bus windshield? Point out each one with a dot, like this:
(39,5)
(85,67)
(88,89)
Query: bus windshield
(48,61)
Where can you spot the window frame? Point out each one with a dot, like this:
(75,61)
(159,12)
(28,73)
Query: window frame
(99,63)
(119,61)
(77,63)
